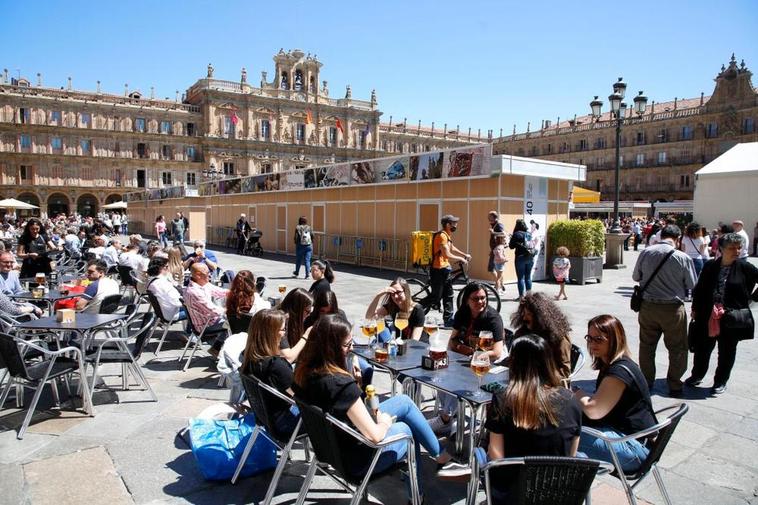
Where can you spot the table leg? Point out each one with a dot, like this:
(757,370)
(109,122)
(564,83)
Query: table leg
(473,484)
(460,427)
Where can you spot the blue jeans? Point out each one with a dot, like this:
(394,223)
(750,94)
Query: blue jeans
(410,420)
(163,239)
(524,264)
(631,453)
(698,264)
(498,490)
(303,255)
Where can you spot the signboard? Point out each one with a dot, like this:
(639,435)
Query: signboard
(535,216)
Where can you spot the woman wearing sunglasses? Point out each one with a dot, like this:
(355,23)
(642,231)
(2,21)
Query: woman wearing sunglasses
(621,404)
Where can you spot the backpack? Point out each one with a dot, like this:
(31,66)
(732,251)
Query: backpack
(499,253)
(305,236)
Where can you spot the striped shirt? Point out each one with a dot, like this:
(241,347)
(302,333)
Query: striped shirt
(199,300)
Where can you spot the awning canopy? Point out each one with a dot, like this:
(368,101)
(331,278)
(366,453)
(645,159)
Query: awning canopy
(582,195)
(739,159)
(115,205)
(12,203)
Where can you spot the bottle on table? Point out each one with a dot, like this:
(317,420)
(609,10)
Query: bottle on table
(372,401)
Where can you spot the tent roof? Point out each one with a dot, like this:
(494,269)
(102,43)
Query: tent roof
(740,158)
(583,195)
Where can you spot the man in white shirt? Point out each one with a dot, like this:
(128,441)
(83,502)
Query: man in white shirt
(99,248)
(739,229)
(164,290)
(112,252)
(100,287)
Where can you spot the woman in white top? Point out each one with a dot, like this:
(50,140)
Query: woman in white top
(695,246)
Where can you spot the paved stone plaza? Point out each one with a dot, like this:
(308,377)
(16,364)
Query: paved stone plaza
(130,452)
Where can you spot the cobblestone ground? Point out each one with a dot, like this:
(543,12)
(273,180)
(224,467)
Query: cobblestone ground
(130,452)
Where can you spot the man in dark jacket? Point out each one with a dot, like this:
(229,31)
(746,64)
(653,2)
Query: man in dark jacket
(242,229)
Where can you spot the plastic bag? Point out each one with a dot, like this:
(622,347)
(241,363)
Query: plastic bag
(218,446)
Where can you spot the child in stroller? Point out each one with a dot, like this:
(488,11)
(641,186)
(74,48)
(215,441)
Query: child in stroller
(253,245)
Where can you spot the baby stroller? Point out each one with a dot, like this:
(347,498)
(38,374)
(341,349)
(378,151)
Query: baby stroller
(253,245)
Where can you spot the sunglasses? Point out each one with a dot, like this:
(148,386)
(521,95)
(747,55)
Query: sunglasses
(595,340)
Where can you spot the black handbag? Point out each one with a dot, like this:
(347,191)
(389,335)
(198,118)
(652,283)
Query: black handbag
(692,336)
(737,319)
(636,302)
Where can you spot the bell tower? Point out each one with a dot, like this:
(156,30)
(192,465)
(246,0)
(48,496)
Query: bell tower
(296,71)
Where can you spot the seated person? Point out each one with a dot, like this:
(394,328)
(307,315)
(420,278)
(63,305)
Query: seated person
(161,286)
(201,255)
(136,240)
(204,313)
(112,252)
(261,359)
(131,257)
(391,301)
(98,249)
(321,380)
(72,244)
(534,416)
(16,309)
(243,301)
(153,249)
(621,404)
(297,305)
(9,282)
(99,288)
(474,317)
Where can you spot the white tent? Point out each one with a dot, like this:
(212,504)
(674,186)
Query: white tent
(727,189)
(115,205)
(12,203)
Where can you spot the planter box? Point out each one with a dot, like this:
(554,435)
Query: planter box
(584,269)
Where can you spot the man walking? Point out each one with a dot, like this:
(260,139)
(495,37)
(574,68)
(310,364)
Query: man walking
(662,309)
(443,251)
(177,226)
(739,229)
(242,229)
(637,232)
(496,229)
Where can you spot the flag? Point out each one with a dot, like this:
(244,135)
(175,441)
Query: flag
(338,124)
(234,118)
(308,117)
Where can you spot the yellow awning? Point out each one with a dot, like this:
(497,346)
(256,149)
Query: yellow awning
(581,195)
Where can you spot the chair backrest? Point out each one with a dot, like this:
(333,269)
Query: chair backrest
(552,480)
(155,304)
(665,430)
(11,356)
(140,330)
(110,303)
(577,360)
(124,273)
(323,436)
(259,399)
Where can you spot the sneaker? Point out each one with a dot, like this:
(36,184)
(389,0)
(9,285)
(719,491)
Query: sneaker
(440,427)
(718,389)
(295,275)
(454,471)
(692,381)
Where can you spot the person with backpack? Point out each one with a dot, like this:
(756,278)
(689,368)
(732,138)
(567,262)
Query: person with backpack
(303,246)
(521,241)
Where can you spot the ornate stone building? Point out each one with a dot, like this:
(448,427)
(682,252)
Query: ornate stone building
(661,150)
(65,149)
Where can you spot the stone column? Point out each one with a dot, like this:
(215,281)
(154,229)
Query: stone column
(614,250)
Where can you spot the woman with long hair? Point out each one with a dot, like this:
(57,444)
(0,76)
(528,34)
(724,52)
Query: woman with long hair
(261,358)
(33,246)
(533,416)
(321,380)
(175,266)
(243,301)
(297,305)
(540,315)
(393,300)
(474,317)
(695,246)
(524,258)
(621,404)
(323,277)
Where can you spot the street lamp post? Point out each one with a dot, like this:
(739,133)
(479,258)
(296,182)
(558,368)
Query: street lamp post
(618,112)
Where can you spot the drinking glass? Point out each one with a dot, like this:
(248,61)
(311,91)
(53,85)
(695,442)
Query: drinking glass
(401,321)
(282,288)
(380,325)
(486,341)
(480,365)
(431,325)
(368,328)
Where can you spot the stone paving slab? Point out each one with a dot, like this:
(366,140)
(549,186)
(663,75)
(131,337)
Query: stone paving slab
(12,480)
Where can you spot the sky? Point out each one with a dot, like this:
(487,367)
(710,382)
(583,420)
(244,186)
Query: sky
(478,64)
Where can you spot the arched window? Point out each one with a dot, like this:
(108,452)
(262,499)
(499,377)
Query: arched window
(298,84)
(285,82)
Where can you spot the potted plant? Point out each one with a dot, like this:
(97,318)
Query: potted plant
(585,241)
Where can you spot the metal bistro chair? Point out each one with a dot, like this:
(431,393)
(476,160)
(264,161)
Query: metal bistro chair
(548,480)
(34,374)
(578,359)
(110,304)
(662,433)
(162,320)
(260,395)
(204,335)
(323,430)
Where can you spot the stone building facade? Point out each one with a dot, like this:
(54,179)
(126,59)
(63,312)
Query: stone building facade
(660,150)
(65,149)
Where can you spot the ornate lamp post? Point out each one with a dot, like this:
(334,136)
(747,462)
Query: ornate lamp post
(618,112)
(212,173)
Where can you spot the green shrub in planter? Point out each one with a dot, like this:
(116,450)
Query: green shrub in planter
(583,238)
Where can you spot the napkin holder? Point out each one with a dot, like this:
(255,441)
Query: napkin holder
(65,316)
(435,361)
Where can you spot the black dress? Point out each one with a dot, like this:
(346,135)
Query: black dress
(41,264)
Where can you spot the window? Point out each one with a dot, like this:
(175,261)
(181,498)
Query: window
(583,144)
(228,168)
(190,152)
(600,143)
(684,181)
(362,139)
(191,129)
(24,115)
(25,172)
(166,127)
(57,144)
(166,152)
(25,141)
(711,130)
(663,135)
(116,148)
(265,129)
(86,120)
(141,178)
(414,148)
(191,179)
(639,160)
(266,168)
(532,151)
(333,136)
(55,118)
(662,157)
(640,140)
(687,133)
(117,176)
(228,127)
(300,131)
(748,125)
(141,150)
(166,178)
(86,145)
(298,83)
(139,125)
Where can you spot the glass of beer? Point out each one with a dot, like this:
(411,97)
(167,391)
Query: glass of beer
(381,355)
(282,288)
(431,325)
(480,365)
(401,321)
(486,341)
(40,278)
(380,325)
(38,292)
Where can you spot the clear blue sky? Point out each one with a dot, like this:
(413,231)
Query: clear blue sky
(476,63)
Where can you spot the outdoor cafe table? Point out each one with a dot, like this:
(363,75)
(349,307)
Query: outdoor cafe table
(458,380)
(50,297)
(84,323)
(414,351)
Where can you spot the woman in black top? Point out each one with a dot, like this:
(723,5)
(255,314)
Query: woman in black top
(730,282)
(621,404)
(261,358)
(324,303)
(33,246)
(524,259)
(391,301)
(321,380)
(323,276)
(297,305)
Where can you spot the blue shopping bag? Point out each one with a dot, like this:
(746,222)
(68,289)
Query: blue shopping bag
(218,446)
